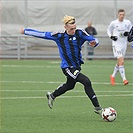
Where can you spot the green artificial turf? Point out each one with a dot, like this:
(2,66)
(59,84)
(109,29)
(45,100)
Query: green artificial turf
(23,104)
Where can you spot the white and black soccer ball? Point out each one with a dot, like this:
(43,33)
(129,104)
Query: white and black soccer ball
(109,114)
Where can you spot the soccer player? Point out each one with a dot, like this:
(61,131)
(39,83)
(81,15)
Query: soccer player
(69,43)
(118,31)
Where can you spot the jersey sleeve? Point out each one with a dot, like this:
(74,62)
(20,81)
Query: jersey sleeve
(110,29)
(40,34)
(130,26)
(88,37)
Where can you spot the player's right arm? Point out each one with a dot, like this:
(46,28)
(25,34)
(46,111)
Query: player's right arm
(39,34)
(110,32)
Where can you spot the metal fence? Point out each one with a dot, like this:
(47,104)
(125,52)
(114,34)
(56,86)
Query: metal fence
(26,47)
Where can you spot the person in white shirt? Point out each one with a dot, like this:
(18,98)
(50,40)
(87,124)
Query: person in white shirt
(118,31)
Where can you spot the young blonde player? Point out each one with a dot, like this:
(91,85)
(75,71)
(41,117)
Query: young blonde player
(118,31)
(70,43)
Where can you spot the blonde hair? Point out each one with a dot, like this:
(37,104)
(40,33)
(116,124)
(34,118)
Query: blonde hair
(68,19)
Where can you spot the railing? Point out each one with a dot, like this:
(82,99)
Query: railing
(21,46)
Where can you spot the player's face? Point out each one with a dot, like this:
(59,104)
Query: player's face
(121,16)
(70,28)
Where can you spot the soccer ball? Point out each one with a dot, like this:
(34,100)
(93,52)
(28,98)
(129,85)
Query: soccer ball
(109,114)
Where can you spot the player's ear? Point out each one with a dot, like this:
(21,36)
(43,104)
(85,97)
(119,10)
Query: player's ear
(65,26)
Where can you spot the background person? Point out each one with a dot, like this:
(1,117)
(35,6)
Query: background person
(92,31)
(118,31)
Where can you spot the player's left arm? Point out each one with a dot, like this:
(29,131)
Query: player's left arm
(93,42)
(126,33)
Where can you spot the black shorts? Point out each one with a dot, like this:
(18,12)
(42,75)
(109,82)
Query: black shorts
(71,72)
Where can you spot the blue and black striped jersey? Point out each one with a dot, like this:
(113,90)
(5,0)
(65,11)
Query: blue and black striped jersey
(69,45)
(130,36)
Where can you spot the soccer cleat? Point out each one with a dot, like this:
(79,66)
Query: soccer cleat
(112,80)
(50,100)
(98,110)
(125,82)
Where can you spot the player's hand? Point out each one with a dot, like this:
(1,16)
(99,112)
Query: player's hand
(126,33)
(92,43)
(22,31)
(114,38)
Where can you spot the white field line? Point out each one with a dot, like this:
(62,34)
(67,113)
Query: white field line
(14,98)
(31,82)
(29,66)
(73,91)
(58,82)
(41,82)
(44,66)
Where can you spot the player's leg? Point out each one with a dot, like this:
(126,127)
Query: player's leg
(71,74)
(116,68)
(70,83)
(89,91)
(120,59)
(122,70)
(112,76)
(119,52)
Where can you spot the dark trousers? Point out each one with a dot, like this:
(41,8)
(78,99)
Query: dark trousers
(73,75)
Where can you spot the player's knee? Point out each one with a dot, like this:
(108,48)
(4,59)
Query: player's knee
(121,61)
(71,86)
(87,82)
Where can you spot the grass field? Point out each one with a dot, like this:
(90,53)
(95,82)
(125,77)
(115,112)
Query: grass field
(24,109)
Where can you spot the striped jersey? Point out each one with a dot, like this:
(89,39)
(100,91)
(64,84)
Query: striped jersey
(69,45)
(130,36)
